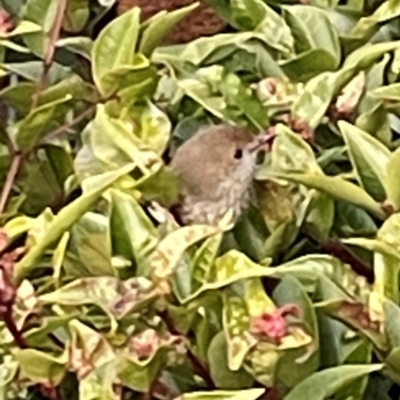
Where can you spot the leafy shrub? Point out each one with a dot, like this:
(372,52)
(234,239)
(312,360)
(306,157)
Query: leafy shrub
(104,295)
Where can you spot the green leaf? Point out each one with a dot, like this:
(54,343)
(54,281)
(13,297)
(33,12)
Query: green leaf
(110,143)
(13,46)
(134,235)
(40,122)
(391,180)
(73,86)
(65,219)
(335,348)
(158,27)
(32,70)
(41,367)
(376,122)
(378,246)
(290,291)
(116,298)
(131,83)
(234,266)
(369,158)
(351,220)
(231,267)
(318,93)
(89,248)
(59,256)
(203,49)
(291,153)
(338,188)
(313,30)
(235,92)
(200,92)
(204,259)
(19,96)
(115,46)
(76,15)
(40,185)
(368,26)
(308,64)
(8,373)
(389,232)
(246,394)
(42,13)
(390,97)
(223,377)
(258,16)
(152,126)
(391,318)
(138,372)
(353,314)
(170,250)
(98,384)
(237,320)
(320,215)
(39,336)
(325,383)
(90,344)
(79,45)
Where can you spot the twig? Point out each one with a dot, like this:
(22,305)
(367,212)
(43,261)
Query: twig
(200,370)
(71,123)
(334,247)
(339,250)
(19,156)
(11,175)
(50,50)
(15,332)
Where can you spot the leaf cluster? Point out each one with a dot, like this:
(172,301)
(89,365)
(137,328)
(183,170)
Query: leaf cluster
(103,294)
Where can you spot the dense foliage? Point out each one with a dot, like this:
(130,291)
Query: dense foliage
(102,293)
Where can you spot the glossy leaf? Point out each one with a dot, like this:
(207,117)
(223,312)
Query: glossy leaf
(116,298)
(313,30)
(110,143)
(134,235)
(221,374)
(390,179)
(325,383)
(160,25)
(290,291)
(249,394)
(40,122)
(170,250)
(41,367)
(64,220)
(369,158)
(338,188)
(89,248)
(115,46)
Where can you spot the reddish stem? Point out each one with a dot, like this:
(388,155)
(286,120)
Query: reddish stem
(50,50)
(11,176)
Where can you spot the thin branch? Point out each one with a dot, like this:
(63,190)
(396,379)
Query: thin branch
(336,248)
(200,370)
(50,50)
(15,332)
(339,250)
(70,124)
(11,176)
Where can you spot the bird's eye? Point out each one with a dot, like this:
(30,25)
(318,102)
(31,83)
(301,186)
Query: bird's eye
(238,154)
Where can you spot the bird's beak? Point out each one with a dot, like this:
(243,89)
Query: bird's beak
(261,142)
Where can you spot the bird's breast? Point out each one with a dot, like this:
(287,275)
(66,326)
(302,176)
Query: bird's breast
(231,194)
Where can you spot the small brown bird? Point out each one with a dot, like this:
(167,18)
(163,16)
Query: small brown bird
(215,169)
